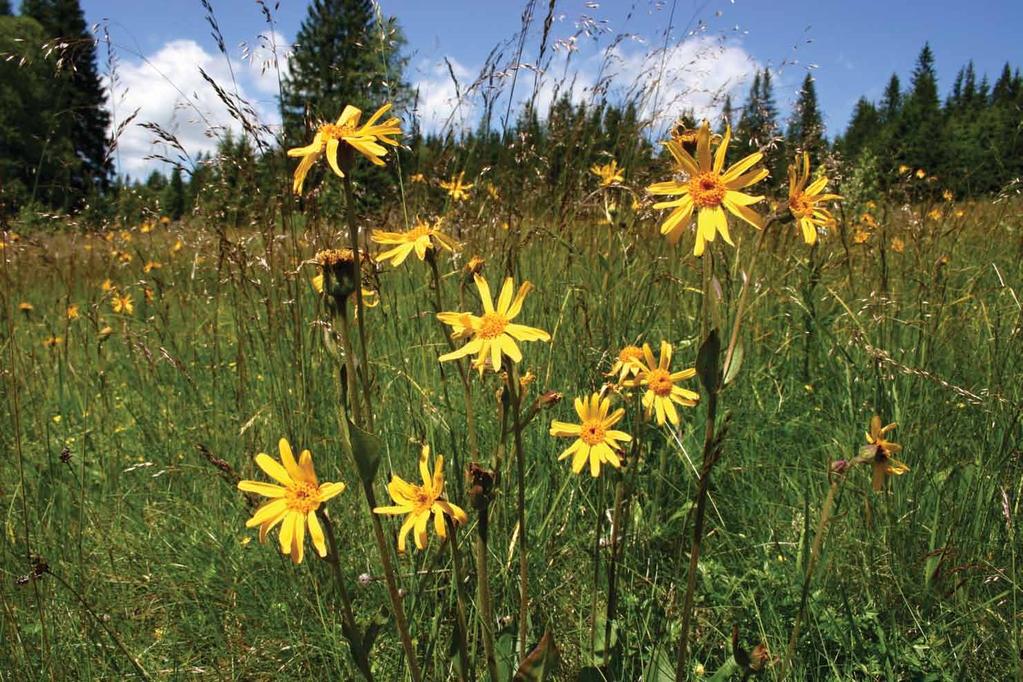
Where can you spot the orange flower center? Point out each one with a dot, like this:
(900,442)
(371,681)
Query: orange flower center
(630,353)
(422,500)
(420,231)
(592,432)
(303,497)
(707,190)
(659,381)
(800,206)
(332,131)
(492,326)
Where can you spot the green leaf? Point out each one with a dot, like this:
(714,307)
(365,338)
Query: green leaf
(660,668)
(362,446)
(708,362)
(540,663)
(732,370)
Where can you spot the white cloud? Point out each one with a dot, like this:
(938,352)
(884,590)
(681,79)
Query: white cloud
(168,89)
(694,75)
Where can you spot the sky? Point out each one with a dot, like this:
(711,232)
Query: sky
(713,47)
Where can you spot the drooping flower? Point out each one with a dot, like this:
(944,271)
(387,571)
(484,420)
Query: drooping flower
(26,307)
(629,363)
(596,440)
(456,187)
(421,238)
(122,303)
(804,200)
(878,452)
(609,173)
(708,189)
(418,502)
(898,244)
(293,503)
(662,394)
(347,135)
(493,333)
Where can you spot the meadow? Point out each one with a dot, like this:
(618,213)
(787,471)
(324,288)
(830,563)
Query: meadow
(128,424)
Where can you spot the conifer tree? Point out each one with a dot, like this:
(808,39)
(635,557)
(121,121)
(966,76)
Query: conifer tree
(343,55)
(5,8)
(891,101)
(806,127)
(80,121)
(920,128)
(862,131)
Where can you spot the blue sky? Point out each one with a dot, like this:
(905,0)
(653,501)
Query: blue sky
(851,46)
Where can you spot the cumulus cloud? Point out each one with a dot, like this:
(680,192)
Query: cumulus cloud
(167,89)
(693,75)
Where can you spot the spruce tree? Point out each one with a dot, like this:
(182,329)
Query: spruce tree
(5,8)
(920,129)
(81,120)
(174,196)
(862,131)
(891,101)
(342,55)
(806,127)
(727,112)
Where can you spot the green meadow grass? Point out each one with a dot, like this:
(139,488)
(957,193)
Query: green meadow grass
(148,537)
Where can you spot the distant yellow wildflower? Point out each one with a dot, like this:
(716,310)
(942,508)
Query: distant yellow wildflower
(122,303)
(596,440)
(709,189)
(493,334)
(52,341)
(364,139)
(456,187)
(72,312)
(898,246)
(421,238)
(879,453)
(293,503)
(609,173)
(419,502)
(151,265)
(860,236)
(629,363)
(804,200)
(921,173)
(26,307)
(417,178)
(662,394)
(107,285)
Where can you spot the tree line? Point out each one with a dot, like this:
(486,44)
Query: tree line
(56,146)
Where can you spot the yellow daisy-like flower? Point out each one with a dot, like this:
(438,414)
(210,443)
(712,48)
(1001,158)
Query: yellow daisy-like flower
(26,307)
(628,364)
(803,200)
(293,503)
(72,312)
(709,190)
(662,394)
(365,139)
(420,239)
(609,173)
(493,334)
(596,439)
(419,502)
(107,285)
(882,450)
(898,245)
(122,303)
(151,265)
(456,187)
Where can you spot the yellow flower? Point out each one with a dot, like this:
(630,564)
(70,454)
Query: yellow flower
(364,139)
(803,200)
(52,341)
(107,285)
(293,503)
(661,392)
(903,169)
(419,502)
(609,173)
(921,173)
(122,303)
(417,177)
(456,187)
(935,214)
(150,266)
(178,245)
(879,452)
(72,311)
(898,246)
(947,195)
(628,363)
(709,189)
(146,228)
(26,307)
(493,334)
(474,265)
(860,237)
(420,238)
(596,440)
(165,220)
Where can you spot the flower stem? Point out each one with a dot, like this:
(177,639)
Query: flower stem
(709,458)
(351,628)
(520,465)
(463,630)
(612,569)
(811,564)
(740,308)
(351,384)
(353,233)
(483,590)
